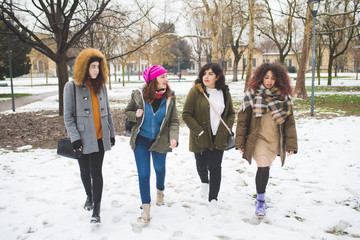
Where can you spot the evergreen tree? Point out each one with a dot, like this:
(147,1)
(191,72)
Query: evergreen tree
(20,62)
(173,50)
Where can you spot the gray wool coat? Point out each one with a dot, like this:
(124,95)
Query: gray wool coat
(84,130)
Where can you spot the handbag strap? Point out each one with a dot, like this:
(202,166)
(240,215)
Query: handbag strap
(75,103)
(212,106)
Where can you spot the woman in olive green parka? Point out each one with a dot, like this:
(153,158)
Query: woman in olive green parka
(208,136)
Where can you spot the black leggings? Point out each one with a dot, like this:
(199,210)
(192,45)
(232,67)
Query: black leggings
(210,161)
(91,172)
(261,179)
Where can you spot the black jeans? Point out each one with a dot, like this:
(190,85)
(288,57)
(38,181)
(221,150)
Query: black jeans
(210,161)
(91,172)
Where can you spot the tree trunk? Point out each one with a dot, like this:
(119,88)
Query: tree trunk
(330,71)
(251,42)
(215,49)
(123,73)
(128,72)
(300,90)
(108,63)
(115,70)
(357,68)
(62,72)
(235,69)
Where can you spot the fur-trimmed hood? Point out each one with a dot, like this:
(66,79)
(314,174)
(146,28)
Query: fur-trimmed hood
(199,87)
(81,65)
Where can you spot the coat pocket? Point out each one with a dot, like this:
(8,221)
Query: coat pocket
(80,127)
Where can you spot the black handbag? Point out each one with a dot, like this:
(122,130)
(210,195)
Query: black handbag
(230,141)
(128,126)
(65,147)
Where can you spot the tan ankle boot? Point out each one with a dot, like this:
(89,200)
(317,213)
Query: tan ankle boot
(160,197)
(145,215)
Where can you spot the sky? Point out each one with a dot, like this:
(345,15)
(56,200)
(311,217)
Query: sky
(316,194)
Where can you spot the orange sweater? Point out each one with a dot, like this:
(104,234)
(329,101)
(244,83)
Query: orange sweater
(96,113)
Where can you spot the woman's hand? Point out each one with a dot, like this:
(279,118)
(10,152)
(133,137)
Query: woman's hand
(139,112)
(241,150)
(77,145)
(173,143)
(112,142)
(290,153)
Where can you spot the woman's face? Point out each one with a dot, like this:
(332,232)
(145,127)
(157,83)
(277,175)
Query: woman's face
(269,80)
(94,70)
(209,78)
(161,81)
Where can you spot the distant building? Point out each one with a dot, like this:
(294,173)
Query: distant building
(42,66)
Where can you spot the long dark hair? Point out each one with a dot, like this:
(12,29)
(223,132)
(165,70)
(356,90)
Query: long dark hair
(280,73)
(216,68)
(98,82)
(149,91)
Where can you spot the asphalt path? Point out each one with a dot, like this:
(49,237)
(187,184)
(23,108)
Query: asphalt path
(6,105)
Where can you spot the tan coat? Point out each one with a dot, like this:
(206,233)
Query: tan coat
(246,132)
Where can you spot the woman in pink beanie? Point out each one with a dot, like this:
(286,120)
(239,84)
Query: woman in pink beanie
(155,132)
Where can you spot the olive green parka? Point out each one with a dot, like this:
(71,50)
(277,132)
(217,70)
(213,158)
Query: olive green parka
(246,133)
(169,128)
(196,115)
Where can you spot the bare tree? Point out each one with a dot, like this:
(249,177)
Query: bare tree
(251,41)
(339,23)
(55,18)
(280,30)
(235,24)
(215,20)
(200,45)
(300,90)
(215,14)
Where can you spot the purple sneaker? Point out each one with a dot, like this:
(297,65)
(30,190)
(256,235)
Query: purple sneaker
(260,204)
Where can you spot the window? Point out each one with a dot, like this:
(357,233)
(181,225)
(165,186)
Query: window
(288,62)
(35,66)
(230,63)
(244,62)
(254,62)
(41,66)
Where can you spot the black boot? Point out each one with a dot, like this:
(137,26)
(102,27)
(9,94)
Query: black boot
(88,204)
(95,218)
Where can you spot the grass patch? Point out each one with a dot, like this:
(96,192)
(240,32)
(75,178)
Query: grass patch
(343,105)
(332,78)
(332,89)
(8,95)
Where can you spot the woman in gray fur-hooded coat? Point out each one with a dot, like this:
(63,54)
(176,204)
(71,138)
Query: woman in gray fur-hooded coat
(91,127)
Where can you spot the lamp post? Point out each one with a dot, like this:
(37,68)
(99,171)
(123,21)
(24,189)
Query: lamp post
(313,6)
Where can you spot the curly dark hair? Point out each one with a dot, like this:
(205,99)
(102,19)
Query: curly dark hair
(280,73)
(149,92)
(216,68)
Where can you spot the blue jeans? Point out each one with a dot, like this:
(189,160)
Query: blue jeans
(142,158)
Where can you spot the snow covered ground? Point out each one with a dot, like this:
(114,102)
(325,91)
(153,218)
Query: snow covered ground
(316,195)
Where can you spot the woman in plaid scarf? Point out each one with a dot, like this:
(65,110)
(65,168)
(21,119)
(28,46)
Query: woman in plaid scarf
(266,125)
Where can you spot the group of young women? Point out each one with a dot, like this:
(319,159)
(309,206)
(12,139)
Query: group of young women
(265,126)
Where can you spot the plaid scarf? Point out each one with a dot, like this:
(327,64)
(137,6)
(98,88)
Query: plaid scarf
(264,98)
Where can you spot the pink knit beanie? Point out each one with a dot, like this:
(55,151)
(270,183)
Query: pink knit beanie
(153,72)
